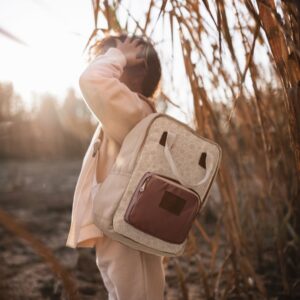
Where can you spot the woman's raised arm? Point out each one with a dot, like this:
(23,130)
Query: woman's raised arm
(117,107)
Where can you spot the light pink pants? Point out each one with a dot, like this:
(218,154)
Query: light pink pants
(129,274)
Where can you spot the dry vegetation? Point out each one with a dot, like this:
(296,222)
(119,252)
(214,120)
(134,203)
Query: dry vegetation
(253,249)
(246,244)
(46,130)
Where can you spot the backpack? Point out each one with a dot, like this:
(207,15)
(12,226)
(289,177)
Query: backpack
(157,185)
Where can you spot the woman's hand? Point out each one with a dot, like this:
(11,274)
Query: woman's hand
(134,53)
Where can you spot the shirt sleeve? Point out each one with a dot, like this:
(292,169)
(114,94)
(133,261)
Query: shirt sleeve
(117,107)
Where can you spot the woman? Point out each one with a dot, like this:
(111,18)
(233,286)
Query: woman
(117,86)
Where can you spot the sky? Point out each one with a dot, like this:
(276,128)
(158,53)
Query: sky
(55,33)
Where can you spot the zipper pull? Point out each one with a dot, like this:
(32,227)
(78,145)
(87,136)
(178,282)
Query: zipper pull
(142,188)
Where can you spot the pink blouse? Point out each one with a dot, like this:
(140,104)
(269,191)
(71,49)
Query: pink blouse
(88,230)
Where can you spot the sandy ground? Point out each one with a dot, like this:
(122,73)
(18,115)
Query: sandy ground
(38,195)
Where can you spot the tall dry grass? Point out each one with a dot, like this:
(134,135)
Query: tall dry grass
(245,53)
(252,245)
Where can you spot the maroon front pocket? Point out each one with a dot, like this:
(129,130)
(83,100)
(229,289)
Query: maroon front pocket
(162,207)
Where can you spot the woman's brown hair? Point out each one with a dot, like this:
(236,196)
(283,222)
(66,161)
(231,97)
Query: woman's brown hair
(151,69)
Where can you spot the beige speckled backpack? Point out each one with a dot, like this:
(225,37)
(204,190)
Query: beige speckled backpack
(157,185)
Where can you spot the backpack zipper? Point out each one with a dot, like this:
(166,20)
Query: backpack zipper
(170,181)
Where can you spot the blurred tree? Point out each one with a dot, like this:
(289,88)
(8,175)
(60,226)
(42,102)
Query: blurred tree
(50,136)
(10,103)
(76,121)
